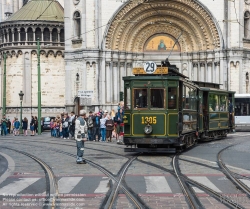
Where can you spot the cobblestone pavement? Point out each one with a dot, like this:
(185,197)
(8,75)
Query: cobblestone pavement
(157,188)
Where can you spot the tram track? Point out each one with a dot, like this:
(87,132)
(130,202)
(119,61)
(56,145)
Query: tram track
(195,203)
(137,202)
(230,174)
(51,181)
(226,201)
(189,194)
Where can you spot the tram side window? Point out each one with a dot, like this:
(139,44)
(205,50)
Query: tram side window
(223,103)
(157,98)
(127,96)
(140,98)
(172,98)
(218,103)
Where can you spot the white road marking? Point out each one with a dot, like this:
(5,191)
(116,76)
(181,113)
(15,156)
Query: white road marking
(17,186)
(103,186)
(246,182)
(157,184)
(10,169)
(205,181)
(66,184)
(214,163)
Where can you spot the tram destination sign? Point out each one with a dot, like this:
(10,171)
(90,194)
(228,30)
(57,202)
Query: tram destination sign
(141,71)
(85,94)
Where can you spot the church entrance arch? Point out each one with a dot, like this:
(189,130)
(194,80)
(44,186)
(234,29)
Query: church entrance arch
(186,20)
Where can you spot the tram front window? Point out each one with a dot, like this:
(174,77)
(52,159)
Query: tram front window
(140,98)
(157,98)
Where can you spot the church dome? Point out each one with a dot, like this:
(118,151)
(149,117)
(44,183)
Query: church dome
(39,10)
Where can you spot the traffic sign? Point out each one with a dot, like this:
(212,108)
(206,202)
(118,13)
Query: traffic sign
(150,67)
(85,94)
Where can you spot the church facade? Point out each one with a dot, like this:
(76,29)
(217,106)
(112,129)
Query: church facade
(104,39)
(208,41)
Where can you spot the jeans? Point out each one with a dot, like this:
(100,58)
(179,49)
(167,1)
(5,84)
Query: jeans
(103,133)
(51,131)
(4,130)
(72,130)
(96,131)
(90,134)
(65,132)
(80,150)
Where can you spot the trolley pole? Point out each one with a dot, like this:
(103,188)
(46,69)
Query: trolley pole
(4,85)
(39,86)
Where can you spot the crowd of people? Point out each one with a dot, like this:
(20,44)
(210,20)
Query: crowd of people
(102,126)
(8,127)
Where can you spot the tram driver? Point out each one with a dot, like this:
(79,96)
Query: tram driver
(143,98)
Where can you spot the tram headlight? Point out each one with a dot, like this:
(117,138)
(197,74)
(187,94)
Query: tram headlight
(148,129)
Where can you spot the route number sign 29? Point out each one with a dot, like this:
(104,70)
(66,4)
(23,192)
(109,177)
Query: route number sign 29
(150,67)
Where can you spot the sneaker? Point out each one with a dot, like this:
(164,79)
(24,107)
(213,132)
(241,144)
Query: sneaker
(80,162)
(64,138)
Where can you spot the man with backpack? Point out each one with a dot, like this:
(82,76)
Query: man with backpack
(81,130)
(90,124)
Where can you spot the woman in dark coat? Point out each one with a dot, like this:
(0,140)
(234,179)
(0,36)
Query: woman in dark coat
(32,126)
(25,126)
(109,128)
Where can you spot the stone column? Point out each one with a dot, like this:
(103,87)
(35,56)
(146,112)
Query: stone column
(102,88)
(50,35)
(7,36)
(83,23)
(13,35)
(26,35)
(115,82)
(195,71)
(34,35)
(202,71)
(122,74)
(108,82)
(19,36)
(217,72)
(27,70)
(58,36)
(42,36)
(209,72)
(20,4)
(129,69)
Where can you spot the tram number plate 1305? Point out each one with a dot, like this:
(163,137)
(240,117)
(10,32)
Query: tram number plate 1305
(150,120)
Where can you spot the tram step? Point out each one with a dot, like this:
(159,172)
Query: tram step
(166,150)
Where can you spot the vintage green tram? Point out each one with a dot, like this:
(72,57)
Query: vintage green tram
(166,112)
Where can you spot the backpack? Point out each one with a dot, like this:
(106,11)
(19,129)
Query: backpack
(90,122)
(84,124)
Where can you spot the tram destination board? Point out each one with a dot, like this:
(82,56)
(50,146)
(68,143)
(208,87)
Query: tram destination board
(141,71)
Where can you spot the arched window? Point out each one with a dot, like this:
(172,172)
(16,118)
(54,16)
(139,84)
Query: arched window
(247,24)
(77,24)
(30,34)
(38,34)
(10,35)
(22,35)
(46,35)
(15,35)
(62,35)
(54,35)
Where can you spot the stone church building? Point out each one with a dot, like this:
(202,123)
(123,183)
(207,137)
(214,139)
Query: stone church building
(208,40)
(104,39)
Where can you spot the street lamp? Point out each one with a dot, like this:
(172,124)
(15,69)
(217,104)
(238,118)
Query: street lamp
(21,111)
